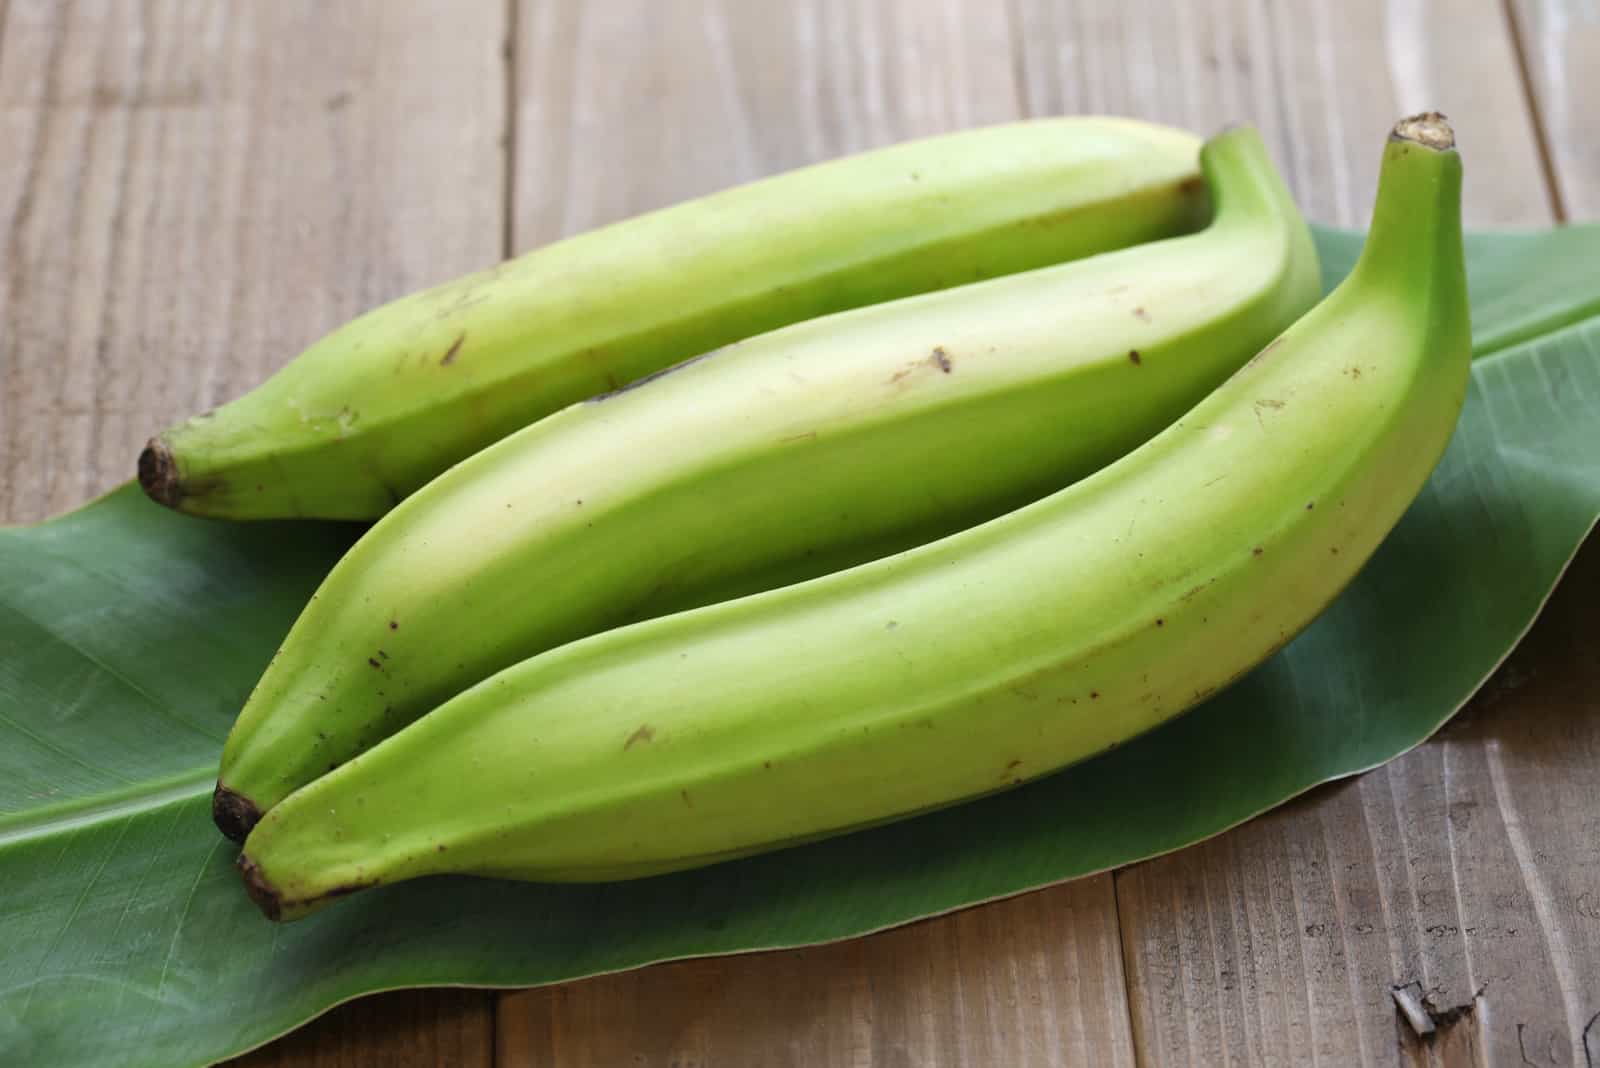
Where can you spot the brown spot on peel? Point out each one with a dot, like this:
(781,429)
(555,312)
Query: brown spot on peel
(645,733)
(1134,357)
(1274,343)
(234,814)
(941,358)
(453,351)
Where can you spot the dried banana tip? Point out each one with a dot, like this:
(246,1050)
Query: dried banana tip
(1430,129)
(158,474)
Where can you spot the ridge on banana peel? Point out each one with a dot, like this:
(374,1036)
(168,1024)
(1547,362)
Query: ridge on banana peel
(949,671)
(374,410)
(790,455)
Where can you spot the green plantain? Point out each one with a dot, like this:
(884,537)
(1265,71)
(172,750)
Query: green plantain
(377,408)
(793,454)
(979,661)
(812,448)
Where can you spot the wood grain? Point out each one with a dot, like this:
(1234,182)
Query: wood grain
(1033,980)
(401,1029)
(629,105)
(1470,866)
(1324,80)
(191,192)
(1560,46)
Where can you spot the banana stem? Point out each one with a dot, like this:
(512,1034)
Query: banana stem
(1416,220)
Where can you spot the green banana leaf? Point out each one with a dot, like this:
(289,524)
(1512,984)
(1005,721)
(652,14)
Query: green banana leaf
(129,636)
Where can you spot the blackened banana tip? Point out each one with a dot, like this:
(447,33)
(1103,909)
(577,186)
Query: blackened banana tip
(158,474)
(260,891)
(234,814)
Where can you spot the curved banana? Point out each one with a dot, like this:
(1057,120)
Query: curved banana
(374,410)
(948,671)
(809,449)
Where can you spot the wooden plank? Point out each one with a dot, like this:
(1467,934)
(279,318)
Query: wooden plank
(1467,866)
(1560,52)
(1324,81)
(633,104)
(191,192)
(1280,942)
(401,1029)
(1033,980)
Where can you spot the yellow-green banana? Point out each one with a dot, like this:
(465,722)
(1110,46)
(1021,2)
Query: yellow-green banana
(374,410)
(799,452)
(987,658)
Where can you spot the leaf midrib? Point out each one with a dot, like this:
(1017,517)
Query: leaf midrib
(47,820)
(1507,339)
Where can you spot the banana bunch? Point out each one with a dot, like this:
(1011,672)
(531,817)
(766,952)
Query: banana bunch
(376,409)
(864,565)
(798,453)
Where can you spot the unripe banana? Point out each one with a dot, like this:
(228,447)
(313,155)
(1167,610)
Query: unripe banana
(789,455)
(992,656)
(377,408)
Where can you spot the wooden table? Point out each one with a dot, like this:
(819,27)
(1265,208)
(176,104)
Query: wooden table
(192,191)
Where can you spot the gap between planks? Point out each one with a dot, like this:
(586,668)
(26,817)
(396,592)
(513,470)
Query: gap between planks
(1536,120)
(508,137)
